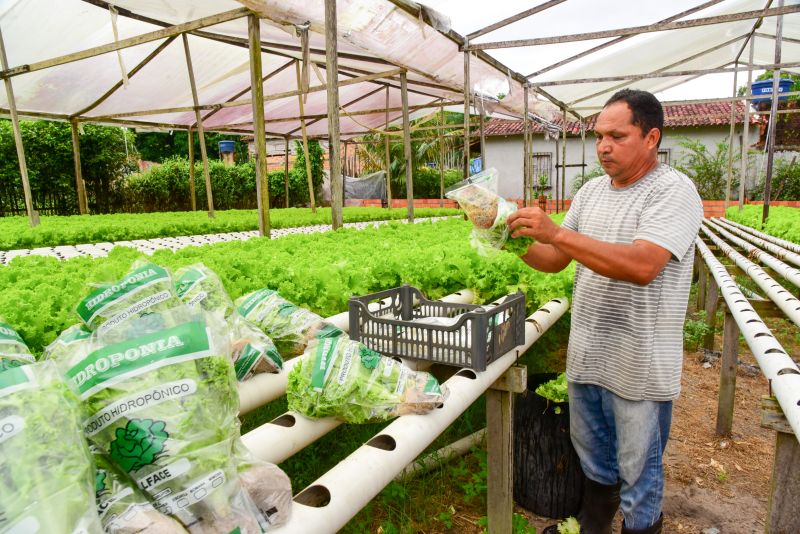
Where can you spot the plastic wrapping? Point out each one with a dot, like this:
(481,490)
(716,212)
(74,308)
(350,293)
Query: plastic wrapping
(70,346)
(45,465)
(162,405)
(488,212)
(197,285)
(123,509)
(290,327)
(13,350)
(252,351)
(146,289)
(343,378)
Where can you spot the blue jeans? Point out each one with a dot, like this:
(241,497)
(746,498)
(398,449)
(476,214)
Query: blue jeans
(619,440)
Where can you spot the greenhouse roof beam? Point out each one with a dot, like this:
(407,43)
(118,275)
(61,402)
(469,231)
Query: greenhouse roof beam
(512,19)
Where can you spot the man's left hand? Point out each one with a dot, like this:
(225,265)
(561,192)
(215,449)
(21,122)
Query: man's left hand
(533,222)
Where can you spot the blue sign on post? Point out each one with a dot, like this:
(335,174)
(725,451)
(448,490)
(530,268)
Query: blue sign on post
(475,165)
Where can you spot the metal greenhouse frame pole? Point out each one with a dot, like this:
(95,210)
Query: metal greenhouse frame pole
(257,91)
(563,164)
(441,157)
(332,63)
(730,140)
(407,148)
(305,138)
(33,216)
(526,188)
(200,133)
(773,119)
(76,158)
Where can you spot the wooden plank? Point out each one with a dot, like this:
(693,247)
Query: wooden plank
(712,300)
(514,18)
(257,91)
(441,157)
(76,157)
(301,105)
(334,158)
(514,380)
(407,148)
(33,217)
(500,451)
(727,381)
(635,30)
(701,285)
(200,133)
(178,29)
(772,416)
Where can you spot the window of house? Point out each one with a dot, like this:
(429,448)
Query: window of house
(663,155)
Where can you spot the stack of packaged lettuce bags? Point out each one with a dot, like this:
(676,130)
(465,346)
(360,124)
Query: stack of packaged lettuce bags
(488,212)
(337,376)
(158,397)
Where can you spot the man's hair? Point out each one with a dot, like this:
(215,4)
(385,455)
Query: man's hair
(646,109)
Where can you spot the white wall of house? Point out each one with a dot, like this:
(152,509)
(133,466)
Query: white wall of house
(505,154)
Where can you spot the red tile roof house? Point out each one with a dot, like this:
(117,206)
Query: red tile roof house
(706,122)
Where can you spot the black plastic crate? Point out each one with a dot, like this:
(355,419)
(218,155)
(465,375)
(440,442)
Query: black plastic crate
(478,335)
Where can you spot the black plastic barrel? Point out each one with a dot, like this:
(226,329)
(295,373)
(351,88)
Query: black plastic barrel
(548,479)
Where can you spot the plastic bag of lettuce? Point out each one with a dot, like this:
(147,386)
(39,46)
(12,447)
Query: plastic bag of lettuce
(13,350)
(344,378)
(146,289)
(45,466)
(161,403)
(290,327)
(488,212)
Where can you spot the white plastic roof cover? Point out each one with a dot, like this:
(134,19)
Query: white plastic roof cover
(638,54)
(374,36)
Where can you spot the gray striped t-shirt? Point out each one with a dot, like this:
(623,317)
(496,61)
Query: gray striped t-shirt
(626,337)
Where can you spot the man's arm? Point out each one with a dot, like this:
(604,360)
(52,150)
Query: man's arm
(639,262)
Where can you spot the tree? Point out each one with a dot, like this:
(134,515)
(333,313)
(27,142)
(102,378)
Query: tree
(708,171)
(767,75)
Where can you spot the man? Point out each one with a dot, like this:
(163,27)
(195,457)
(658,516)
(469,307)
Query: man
(632,233)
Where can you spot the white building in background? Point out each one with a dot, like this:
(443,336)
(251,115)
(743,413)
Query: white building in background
(708,123)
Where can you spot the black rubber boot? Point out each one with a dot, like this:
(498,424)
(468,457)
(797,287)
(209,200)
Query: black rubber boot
(655,528)
(600,503)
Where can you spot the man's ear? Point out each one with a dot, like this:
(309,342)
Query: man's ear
(653,137)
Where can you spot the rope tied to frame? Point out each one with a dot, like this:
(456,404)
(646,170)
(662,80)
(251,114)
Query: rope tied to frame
(114,13)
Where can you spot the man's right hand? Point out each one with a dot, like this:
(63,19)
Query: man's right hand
(533,222)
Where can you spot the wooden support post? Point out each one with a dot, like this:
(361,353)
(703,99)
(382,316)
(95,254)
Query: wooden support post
(500,448)
(773,117)
(286,171)
(526,172)
(76,157)
(305,141)
(730,139)
(331,69)
(746,127)
(467,92)
(441,157)
(784,490)
(407,148)
(563,166)
(702,275)
(33,216)
(192,194)
(482,136)
(712,300)
(727,380)
(388,156)
(200,132)
(257,92)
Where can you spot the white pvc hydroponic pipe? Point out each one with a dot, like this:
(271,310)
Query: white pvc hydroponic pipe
(779,252)
(329,503)
(775,363)
(788,245)
(785,270)
(788,304)
(266,387)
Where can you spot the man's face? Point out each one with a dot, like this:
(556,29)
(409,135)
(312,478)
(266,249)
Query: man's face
(622,148)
